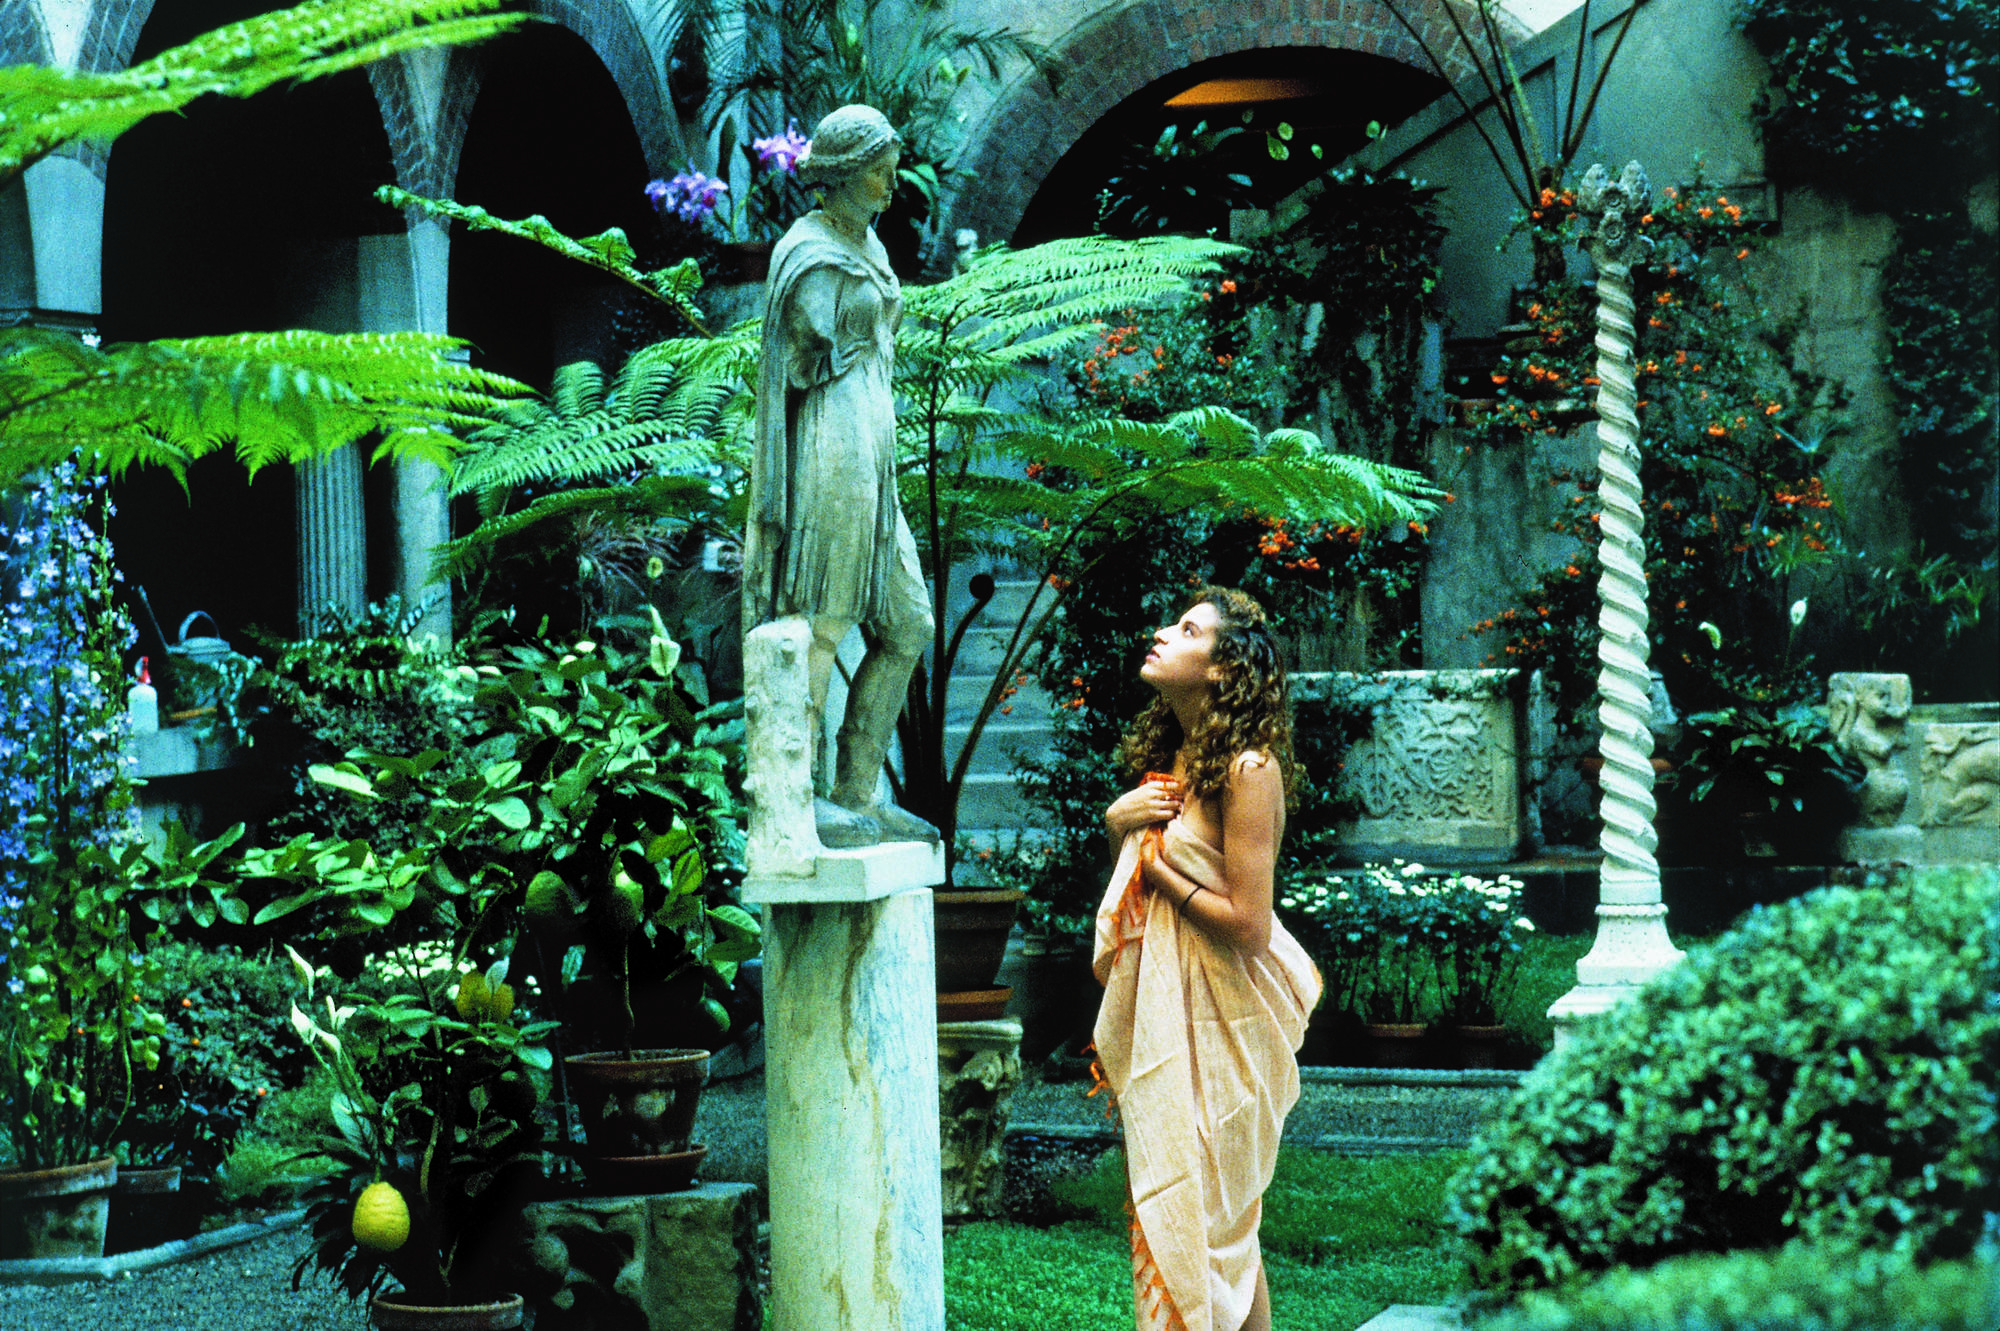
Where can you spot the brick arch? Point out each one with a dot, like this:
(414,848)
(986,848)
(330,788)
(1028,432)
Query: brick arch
(1113,56)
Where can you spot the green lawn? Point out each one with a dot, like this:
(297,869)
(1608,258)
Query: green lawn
(1343,1237)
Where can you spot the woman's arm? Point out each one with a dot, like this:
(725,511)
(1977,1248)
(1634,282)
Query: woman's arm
(1252,805)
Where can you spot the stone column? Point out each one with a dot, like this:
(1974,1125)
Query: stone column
(333,535)
(403,284)
(850,1030)
(1632,944)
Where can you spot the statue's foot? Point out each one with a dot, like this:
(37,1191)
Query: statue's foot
(900,824)
(844,829)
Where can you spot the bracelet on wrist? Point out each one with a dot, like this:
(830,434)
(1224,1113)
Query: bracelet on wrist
(1189,897)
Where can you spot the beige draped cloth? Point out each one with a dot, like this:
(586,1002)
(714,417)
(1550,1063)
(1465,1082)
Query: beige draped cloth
(1197,1042)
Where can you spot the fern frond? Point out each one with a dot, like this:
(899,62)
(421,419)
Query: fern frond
(683,497)
(273,397)
(43,108)
(607,251)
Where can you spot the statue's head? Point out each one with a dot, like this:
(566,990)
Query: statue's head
(845,144)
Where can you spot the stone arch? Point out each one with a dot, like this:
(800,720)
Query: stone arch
(22,41)
(1107,59)
(425,148)
(111,34)
(613,32)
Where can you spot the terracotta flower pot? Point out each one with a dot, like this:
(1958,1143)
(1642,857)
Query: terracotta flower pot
(60,1212)
(639,1106)
(972,930)
(1480,1046)
(389,1313)
(1395,1044)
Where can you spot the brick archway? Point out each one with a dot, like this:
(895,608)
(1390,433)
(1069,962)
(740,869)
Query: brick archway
(1111,57)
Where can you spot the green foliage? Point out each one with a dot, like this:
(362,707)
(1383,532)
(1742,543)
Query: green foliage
(277,397)
(358,682)
(1940,293)
(1870,114)
(438,1099)
(43,107)
(1776,757)
(1342,1237)
(1823,1072)
(1801,1287)
(596,772)
(1390,937)
(608,252)
(224,1050)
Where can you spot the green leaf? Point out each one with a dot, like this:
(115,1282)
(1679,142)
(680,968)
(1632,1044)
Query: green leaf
(511,813)
(344,776)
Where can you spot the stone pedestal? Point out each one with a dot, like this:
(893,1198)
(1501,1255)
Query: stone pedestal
(676,1261)
(1439,778)
(979,1065)
(850,1032)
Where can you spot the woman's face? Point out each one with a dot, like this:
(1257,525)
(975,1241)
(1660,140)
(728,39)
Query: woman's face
(1183,654)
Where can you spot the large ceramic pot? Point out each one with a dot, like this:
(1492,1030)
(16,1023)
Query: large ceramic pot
(638,1114)
(147,1210)
(389,1313)
(972,930)
(60,1212)
(1396,1044)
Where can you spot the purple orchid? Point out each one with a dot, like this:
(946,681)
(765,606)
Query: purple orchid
(781,152)
(692,195)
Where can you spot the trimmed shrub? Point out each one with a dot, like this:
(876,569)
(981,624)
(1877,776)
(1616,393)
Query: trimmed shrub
(1825,1071)
(1803,1287)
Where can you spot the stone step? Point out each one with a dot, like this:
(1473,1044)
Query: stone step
(992,802)
(998,744)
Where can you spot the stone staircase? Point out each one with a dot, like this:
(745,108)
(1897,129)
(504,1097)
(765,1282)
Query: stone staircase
(989,803)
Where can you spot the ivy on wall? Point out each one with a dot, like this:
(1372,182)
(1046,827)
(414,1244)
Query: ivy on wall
(1891,105)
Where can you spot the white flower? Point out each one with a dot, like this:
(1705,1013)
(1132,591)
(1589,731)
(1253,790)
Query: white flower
(303,1024)
(302,968)
(1798,612)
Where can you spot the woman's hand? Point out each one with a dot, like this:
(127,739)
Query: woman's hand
(1149,803)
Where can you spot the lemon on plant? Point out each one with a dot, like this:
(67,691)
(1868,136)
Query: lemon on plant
(548,902)
(381,1218)
(472,996)
(500,1002)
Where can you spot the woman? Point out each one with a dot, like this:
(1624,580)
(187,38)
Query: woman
(1205,993)
(827,539)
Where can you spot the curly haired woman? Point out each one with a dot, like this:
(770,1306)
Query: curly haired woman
(1205,994)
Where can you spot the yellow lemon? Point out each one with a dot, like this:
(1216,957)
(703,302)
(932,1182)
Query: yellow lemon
(500,1002)
(471,995)
(381,1218)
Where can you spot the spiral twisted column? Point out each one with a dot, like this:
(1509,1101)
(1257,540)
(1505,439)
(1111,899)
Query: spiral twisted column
(1632,944)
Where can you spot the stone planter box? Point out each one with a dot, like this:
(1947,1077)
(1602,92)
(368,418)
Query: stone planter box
(1439,781)
(1931,794)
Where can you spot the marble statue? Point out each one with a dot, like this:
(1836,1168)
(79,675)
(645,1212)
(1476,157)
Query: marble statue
(1867,714)
(827,542)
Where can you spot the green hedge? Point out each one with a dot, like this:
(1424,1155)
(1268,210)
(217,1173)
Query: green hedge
(1800,1288)
(1825,1071)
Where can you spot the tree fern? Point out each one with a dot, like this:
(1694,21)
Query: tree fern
(654,422)
(273,397)
(43,108)
(607,251)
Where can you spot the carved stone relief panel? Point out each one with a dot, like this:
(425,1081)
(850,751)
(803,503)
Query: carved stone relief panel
(1961,775)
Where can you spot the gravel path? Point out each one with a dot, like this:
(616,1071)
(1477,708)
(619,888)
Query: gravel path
(246,1288)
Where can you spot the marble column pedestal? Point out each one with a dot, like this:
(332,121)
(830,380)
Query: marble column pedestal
(979,1065)
(675,1261)
(851,1089)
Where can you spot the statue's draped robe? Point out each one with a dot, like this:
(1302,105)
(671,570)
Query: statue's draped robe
(826,533)
(1198,1042)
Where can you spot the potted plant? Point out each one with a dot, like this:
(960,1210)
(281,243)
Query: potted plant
(1398,913)
(1773,774)
(1481,930)
(600,829)
(1327,918)
(435,1131)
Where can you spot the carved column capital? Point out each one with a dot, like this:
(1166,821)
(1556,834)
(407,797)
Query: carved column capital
(1614,208)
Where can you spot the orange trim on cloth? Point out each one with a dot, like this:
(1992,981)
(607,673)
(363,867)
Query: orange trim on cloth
(1197,1043)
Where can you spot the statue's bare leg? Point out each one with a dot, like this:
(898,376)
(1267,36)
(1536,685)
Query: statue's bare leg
(875,699)
(839,824)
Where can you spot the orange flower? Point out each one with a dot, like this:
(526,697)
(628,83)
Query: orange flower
(187,1002)
(1228,287)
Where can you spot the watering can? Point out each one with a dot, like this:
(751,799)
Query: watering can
(209,651)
